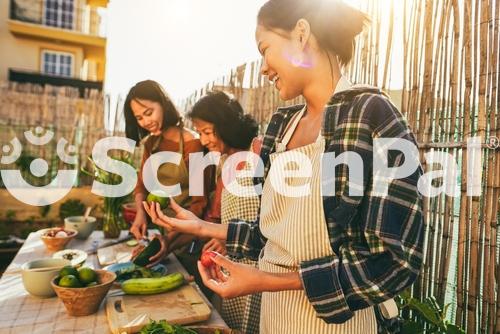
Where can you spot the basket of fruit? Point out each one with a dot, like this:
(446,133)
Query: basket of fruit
(82,290)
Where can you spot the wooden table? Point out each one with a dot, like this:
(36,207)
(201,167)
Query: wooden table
(22,313)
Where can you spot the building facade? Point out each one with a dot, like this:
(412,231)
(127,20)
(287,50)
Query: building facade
(56,42)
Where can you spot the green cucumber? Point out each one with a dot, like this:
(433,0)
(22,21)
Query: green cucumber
(152,249)
(149,286)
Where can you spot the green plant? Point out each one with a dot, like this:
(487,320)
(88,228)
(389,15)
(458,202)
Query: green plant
(426,316)
(112,223)
(44,210)
(162,327)
(10,215)
(71,207)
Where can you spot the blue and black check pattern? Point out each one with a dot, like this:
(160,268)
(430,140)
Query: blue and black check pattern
(377,241)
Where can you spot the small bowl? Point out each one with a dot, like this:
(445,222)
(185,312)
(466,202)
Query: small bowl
(76,256)
(129,211)
(84,228)
(36,280)
(54,244)
(85,301)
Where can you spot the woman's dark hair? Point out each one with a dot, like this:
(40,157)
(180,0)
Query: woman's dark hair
(333,23)
(152,91)
(226,114)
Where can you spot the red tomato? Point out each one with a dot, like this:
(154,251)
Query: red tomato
(206,259)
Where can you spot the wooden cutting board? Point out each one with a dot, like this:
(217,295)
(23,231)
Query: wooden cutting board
(114,254)
(129,313)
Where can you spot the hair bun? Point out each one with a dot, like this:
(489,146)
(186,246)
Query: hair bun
(236,106)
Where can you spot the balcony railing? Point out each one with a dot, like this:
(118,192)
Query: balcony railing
(61,14)
(23,76)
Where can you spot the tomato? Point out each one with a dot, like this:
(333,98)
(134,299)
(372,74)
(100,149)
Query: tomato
(206,258)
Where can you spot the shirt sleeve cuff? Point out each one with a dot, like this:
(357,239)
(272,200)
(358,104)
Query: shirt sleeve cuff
(323,290)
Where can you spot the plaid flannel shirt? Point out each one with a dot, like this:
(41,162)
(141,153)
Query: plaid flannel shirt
(377,241)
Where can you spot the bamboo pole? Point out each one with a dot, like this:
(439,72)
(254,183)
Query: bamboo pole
(495,54)
(461,258)
(481,129)
(423,136)
(448,216)
(389,47)
(486,43)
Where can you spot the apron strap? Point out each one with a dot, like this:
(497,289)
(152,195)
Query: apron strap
(181,141)
(289,130)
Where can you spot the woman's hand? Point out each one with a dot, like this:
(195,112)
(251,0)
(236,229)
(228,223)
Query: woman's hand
(139,227)
(216,245)
(155,259)
(136,251)
(185,221)
(240,280)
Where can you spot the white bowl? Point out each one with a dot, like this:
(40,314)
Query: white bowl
(36,279)
(84,228)
(76,256)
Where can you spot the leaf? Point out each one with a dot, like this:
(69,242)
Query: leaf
(412,327)
(445,310)
(453,329)
(405,295)
(432,302)
(427,311)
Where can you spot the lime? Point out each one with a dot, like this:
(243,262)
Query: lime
(132,243)
(158,196)
(70,281)
(86,275)
(68,270)
(91,284)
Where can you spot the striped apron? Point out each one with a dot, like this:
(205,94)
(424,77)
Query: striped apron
(296,231)
(241,313)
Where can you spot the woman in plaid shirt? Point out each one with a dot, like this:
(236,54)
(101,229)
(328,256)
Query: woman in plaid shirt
(326,258)
(224,128)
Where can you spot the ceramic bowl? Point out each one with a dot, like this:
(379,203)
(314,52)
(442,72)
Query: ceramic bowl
(56,243)
(84,228)
(38,274)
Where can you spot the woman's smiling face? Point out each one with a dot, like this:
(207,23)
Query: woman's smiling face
(149,115)
(208,136)
(278,48)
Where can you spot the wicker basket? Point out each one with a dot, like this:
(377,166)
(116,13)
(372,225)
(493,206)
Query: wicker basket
(85,301)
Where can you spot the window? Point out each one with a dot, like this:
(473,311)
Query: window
(57,63)
(59,13)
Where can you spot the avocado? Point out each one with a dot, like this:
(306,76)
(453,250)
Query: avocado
(143,258)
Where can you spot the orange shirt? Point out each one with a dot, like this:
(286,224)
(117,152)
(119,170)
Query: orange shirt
(198,203)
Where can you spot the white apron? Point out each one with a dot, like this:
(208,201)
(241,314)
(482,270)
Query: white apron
(296,231)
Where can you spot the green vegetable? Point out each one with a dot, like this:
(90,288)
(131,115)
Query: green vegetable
(152,249)
(160,197)
(163,327)
(135,271)
(132,243)
(149,286)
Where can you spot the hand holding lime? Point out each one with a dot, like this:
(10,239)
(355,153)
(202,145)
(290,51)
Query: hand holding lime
(158,196)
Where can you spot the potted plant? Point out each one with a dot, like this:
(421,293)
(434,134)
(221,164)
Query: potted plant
(112,220)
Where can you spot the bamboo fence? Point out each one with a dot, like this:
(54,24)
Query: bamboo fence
(80,121)
(449,72)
